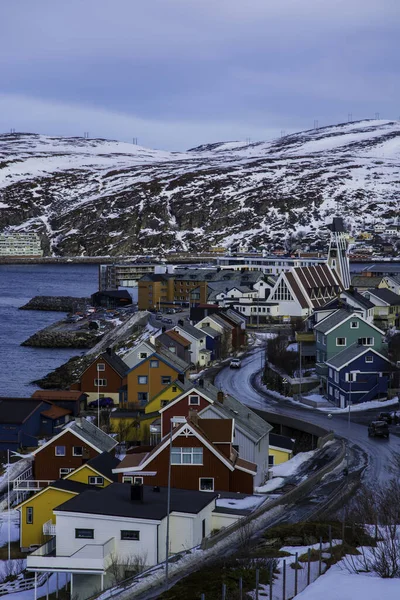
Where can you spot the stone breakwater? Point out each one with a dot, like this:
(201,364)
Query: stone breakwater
(59,336)
(56,303)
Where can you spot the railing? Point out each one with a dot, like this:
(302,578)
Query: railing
(49,528)
(22,585)
(91,557)
(45,549)
(30,485)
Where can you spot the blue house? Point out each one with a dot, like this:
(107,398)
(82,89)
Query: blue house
(24,420)
(357,374)
(213,342)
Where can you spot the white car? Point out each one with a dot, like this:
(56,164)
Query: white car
(235,363)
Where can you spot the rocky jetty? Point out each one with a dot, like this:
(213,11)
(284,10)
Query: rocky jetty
(59,336)
(56,303)
(62,377)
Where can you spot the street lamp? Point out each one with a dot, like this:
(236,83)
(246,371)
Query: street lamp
(173,421)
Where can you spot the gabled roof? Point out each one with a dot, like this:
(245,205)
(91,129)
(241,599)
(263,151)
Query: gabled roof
(191,331)
(337,318)
(174,335)
(55,412)
(218,431)
(102,463)
(364,281)
(351,354)
(115,500)
(281,441)
(88,433)
(115,362)
(358,299)
(162,353)
(386,296)
(59,395)
(213,333)
(218,318)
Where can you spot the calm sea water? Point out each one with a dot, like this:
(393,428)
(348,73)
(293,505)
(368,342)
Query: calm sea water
(19,283)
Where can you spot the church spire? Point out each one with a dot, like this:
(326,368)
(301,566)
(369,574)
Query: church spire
(337,254)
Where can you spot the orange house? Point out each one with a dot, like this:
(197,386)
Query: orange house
(151,376)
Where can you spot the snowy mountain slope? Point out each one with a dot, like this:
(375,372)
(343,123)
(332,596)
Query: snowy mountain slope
(99,197)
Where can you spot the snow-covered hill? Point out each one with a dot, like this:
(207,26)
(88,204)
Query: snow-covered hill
(99,197)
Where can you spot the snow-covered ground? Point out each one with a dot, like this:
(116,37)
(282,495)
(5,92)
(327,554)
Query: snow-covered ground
(284,470)
(250,502)
(354,407)
(338,584)
(14,526)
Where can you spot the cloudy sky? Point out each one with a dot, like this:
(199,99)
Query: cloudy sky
(178,73)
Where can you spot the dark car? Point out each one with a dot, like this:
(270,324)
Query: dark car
(386,416)
(378,429)
(104,403)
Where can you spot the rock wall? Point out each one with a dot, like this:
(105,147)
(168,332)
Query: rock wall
(56,303)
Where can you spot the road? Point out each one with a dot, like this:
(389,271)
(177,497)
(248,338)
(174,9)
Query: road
(379,451)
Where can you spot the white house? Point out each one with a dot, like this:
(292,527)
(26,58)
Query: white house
(198,351)
(118,524)
(139,353)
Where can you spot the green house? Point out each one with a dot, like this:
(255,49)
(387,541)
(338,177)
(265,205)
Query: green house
(339,331)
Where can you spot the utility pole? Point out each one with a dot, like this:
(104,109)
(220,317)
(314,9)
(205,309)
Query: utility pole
(349,117)
(377,115)
(315,123)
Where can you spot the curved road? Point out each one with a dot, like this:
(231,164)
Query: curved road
(379,451)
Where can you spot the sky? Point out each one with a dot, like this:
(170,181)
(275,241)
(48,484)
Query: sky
(179,73)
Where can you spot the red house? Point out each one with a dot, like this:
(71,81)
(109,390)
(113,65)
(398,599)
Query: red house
(195,399)
(202,458)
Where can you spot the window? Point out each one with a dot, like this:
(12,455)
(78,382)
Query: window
(282,292)
(100,382)
(142,398)
(60,450)
(324,340)
(142,354)
(174,388)
(127,479)
(96,480)
(271,460)
(142,379)
(351,377)
(366,341)
(164,403)
(369,359)
(354,324)
(65,471)
(101,367)
(342,399)
(194,400)
(319,337)
(206,484)
(336,377)
(172,349)
(154,364)
(330,373)
(337,394)
(130,534)
(77,451)
(187,456)
(330,390)
(340,341)
(165,379)
(84,534)
(29,515)
(138,480)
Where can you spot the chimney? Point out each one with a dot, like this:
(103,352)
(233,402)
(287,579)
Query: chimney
(200,383)
(193,416)
(181,377)
(220,396)
(137,492)
(109,351)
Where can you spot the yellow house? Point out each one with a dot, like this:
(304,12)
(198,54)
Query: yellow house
(280,449)
(135,425)
(36,513)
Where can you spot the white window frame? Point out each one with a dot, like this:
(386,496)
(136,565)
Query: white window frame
(210,479)
(354,324)
(194,397)
(74,453)
(336,377)
(187,451)
(95,480)
(330,390)
(64,471)
(138,481)
(141,378)
(130,539)
(154,364)
(101,367)
(330,373)
(100,382)
(59,453)
(271,463)
(29,515)
(369,359)
(351,377)
(341,338)
(143,355)
(127,479)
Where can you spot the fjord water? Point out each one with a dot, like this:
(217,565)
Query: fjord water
(20,365)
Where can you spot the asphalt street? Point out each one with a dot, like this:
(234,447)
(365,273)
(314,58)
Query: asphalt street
(379,451)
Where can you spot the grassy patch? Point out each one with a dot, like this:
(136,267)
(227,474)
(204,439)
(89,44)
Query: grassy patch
(310,533)
(269,552)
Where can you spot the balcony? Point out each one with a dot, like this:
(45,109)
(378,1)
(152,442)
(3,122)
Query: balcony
(49,528)
(91,558)
(30,485)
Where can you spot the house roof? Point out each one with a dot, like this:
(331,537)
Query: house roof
(55,412)
(174,335)
(296,290)
(350,354)
(18,410)
(114,294)
(155,277)
(218,318)
(87,432)
(180,365)
(311,279)
(358,298)
(210,332)
(115,362)
(281,441)
(234,316)
(364,281)
(190,330)
(67,485)
(115,500)
(387,296)
(333,320)
(387,268)
(104,463)
(58,395)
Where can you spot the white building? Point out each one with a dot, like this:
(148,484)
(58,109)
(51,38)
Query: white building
(118,524)
(20,244)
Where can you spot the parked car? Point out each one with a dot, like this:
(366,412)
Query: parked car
(169,321)
(379,429)
(235,363)
(386,416)
(104,403)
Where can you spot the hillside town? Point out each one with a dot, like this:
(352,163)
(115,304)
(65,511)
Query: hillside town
(148,456)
